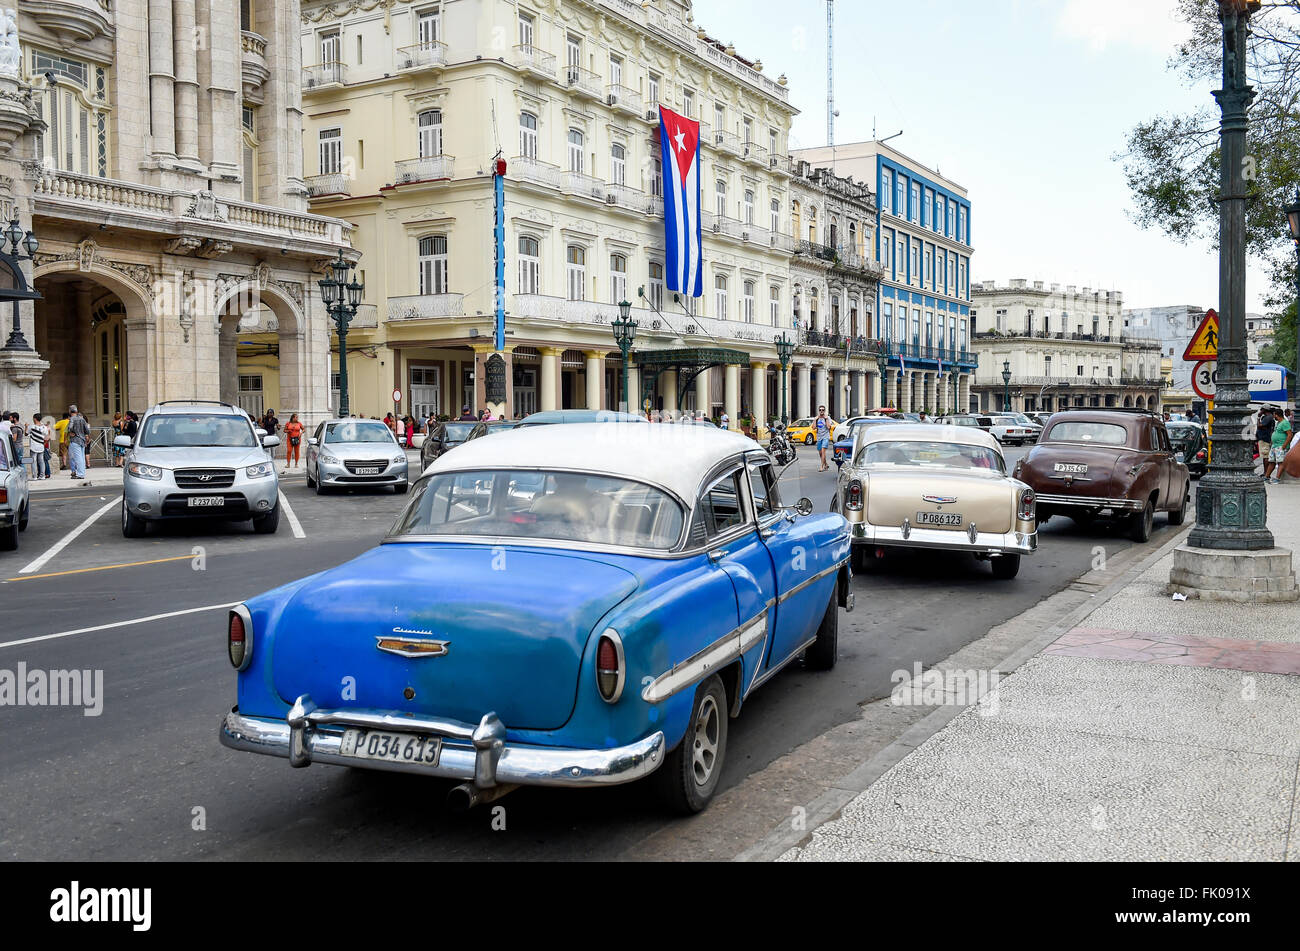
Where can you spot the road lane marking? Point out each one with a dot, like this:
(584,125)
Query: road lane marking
(67,539)
(89,496)
(106,627)
(293,519)
(77,571)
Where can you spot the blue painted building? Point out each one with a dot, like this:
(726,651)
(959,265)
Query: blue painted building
(923,244)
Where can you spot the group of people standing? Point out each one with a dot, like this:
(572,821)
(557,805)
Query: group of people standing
(70,435)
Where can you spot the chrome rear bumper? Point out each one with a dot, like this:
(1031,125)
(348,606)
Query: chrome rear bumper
(1085,502)
(989,543)
(474,753)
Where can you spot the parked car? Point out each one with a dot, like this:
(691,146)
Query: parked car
(1028,423)
(198,458)
(1111,464)
(444,437)
(552,416)
(843,445)
(1005,429)
(654,580)
(492,426)
(15,500)
(805,430)
(839,429)
(1191,440)
(960,419)
(940,487)
(345,453)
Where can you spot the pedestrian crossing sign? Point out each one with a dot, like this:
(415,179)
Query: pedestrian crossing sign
(1204,344)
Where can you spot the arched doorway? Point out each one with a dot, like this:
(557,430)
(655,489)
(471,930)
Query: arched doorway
(259,351)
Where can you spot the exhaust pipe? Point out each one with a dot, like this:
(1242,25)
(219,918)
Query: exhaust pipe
(466,796)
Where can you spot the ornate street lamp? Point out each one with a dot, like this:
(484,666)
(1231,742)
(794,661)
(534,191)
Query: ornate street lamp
(342,296)
(784,348)
(882,363)
(17,290)
(1293,220)
(624,333)
(1231,502)
(1006,386)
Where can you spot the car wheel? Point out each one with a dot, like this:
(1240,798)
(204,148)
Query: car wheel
(268,523)
(27,512)
(400,488)
(1179,515)
(9,538)
(808,440)
(690,773)
(133,526)
(320,487)
(1005,567)
(311,483)
(823,652)
(1141,524)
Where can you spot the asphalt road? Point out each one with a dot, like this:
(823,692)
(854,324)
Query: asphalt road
(147,778)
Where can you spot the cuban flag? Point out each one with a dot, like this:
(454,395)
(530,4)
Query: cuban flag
(679,144)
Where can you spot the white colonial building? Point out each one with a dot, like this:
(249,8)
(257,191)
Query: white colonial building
(154,148)
(1064,348)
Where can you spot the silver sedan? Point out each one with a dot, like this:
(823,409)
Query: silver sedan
(348,453)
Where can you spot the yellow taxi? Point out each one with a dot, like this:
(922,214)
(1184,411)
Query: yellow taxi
(805,430)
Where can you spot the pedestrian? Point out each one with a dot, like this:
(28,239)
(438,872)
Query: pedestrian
(130,425)
(19,434)
(1264,431)
(118,451)
(7,430)
(390,423)
(466,415)
(38,439)
(78,440)
(410,432)
(399,429)
(1279,443)
(61,437)
(293,434)
(822,424)
(724,421)
(270,423)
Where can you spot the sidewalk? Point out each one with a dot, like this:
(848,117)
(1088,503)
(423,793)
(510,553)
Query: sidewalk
(1157,730)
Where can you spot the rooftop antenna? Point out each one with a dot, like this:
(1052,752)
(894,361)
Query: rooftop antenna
(830,73)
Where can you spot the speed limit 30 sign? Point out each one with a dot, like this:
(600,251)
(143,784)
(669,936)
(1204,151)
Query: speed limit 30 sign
(1204,379)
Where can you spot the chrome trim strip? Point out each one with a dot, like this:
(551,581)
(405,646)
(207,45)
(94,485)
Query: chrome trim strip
(431,647)
(515,763)
(1082,501)
(813,580)
(696,667)
(1012,542)
(781,666)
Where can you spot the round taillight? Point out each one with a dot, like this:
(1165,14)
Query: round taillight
(609,666)
(237,640)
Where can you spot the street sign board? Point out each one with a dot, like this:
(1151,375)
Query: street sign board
(397,396)
(1204,379)
(1204,344)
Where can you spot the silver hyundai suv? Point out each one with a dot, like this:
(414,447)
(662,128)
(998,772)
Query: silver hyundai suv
(198,458)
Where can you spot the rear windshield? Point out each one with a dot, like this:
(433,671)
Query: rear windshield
(177,430)
(458,431)
(929,454)
(357,432)
(1107,434)
(567,506)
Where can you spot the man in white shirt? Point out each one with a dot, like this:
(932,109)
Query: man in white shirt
(38,439)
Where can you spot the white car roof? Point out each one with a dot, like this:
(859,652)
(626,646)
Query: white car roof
(929,432)
(675,457)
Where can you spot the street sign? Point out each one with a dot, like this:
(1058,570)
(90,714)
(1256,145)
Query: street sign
(1204,379)
(1204,344)
(397,396)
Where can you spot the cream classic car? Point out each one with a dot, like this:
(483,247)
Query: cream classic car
(927,486)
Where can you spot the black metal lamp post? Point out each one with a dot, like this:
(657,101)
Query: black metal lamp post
(1231,502)
(882,364)
(18,289)
(1293,221)
(784,349)
(1006,386)
(624,333)
(342,296)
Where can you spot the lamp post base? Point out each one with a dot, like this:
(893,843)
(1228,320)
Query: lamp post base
(1245,576)
(1231,514)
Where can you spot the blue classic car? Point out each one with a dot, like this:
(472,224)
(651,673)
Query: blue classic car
(560,606)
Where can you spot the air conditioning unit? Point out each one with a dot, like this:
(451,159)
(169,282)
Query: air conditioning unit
(611,199)
(650,115)
(611,99)
(716,228)
(772,162)
(744,236)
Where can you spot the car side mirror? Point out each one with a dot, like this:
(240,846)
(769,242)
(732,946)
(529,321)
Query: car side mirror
(123,441)
(311,440)
(804,506)
(270,442)
(260,432)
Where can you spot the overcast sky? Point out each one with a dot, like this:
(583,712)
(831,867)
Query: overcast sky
(1022,102)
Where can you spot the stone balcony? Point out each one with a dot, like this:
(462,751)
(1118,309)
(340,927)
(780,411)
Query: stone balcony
(576,183)
(426,56)
(582,82)
(254,70)
(335,183)
(664,327)
(324,74)
(624,99)
(633,199)
(529,169)
(754,153)
(433,168)
(367,318)
(534,60)
(424,306)
(73,21)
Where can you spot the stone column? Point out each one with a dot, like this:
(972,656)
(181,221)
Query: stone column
(731,395)
(703,404)
(758,391)
(550,385)
(595,371)
(185,83)
(161,94)
(823,386)
(228,358)
(668,389)
(633,389)
(866,386)
(803,392)
(891,387)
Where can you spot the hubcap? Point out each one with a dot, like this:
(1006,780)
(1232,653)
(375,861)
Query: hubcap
(704,755)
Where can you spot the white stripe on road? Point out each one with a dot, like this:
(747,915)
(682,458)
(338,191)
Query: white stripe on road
(105,627)
(63,543)
(293,519)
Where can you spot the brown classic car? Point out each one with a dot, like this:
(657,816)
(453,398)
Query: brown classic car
(1115,464)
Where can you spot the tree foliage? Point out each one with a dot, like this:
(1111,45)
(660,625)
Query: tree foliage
(1282,349)
(1172,162)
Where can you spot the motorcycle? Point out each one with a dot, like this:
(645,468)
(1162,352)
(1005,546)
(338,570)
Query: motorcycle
(779,445)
